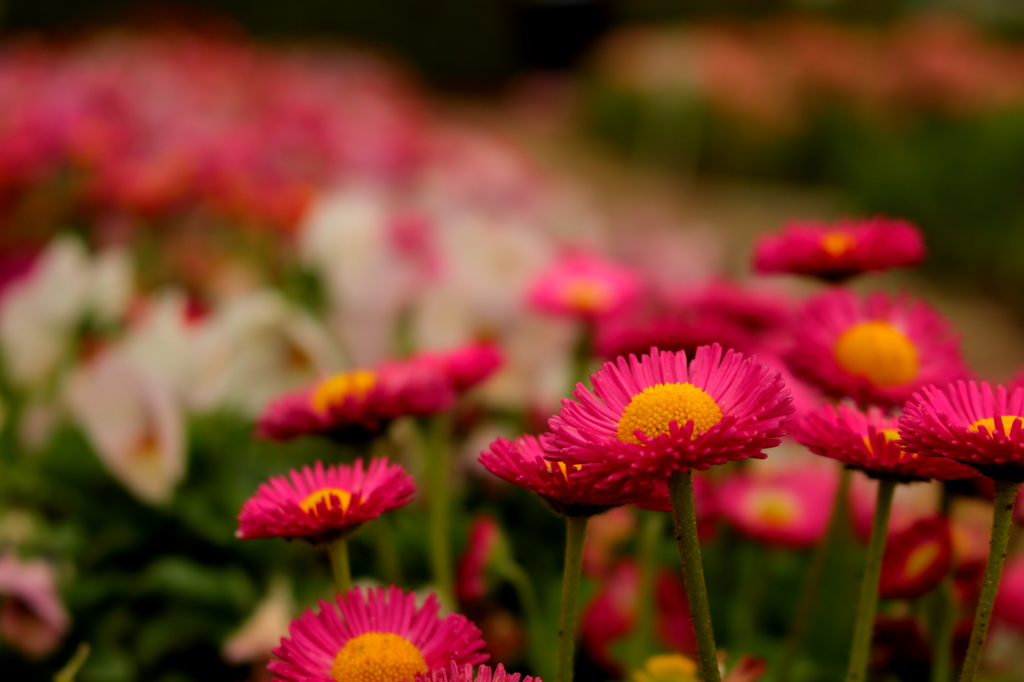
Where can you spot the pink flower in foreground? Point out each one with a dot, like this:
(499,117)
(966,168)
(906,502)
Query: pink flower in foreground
(572,490)
(32,618)
(868,441)
(321,504)
(788,508)
(465,673)
(657,415)
(584,286)
(380,636)
(875,350)
(838,252)
(967,422)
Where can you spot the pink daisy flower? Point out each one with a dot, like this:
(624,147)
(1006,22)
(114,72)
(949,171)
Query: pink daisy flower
(584,286)
(571,490)
(471,364)
(875,350)
(784,508)
(633,333)
(970,423)
(380,636)
(456,673)
(753,309)
(320,505)
(869,441)
(837,252)
(917,559)
(359,404)
(656,415)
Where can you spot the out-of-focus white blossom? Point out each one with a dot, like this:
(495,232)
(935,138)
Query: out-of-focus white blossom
(263,630)
(134,423)
(160,341)
(253,349)
(40,312)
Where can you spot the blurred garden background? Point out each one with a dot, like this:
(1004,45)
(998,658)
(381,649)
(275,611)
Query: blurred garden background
(206,204)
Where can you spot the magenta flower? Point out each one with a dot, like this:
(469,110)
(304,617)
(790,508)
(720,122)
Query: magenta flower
(380,636)
(455,673)
(784,508)
(967,422)
(471,364)
(837,252)
(571,490)
(320,505)
(584,286)
(656,415)
(634,333)
(874,350)
(869,441)
(33,619)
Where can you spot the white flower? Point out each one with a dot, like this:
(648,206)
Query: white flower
(133,422)
(254,348)
(41,312)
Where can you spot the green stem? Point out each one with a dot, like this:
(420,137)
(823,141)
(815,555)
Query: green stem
(864,626)
(535,626)
(575,534)
(640,641)
(338,551)
(439,505)
(812,583)
(944,618)
(581,357)
(684,522)
(1002,516)
(387,551)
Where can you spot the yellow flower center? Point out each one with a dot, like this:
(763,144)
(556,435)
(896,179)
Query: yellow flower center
(651,411)
(837,244)
(775,508)
(586,295)
(878,352)
(378,657)
(331,497)
(920,559)
(668,668)
(990,424)
(336,389)
(890,436)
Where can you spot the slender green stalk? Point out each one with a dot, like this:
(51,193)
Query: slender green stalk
(684,522)
(1006,493)
(944,620)
(575,534)
(437,455)
(640,641)
(539,651)
(864,626)
(338,551)
(812,583)
(581,357)
(387,551)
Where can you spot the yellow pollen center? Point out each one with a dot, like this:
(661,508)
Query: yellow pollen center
(837,244)
(336,389)
(331,497)
(651,411)
(775,508)
(668,668)
(920,559)
(586,295)
(378,657)
(890,436)
(878,352)
(990,424)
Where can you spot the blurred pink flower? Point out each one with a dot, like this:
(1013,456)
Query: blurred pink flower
(787,507)
(32,617)
(584,286)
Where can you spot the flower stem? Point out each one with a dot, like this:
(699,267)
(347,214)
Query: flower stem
(1006,493)
(338,551)
(684,522)
(944,619)
(387,551)
(864,626)
(581,357)
(576,532)
(812,583)
(438,471)
(539,650)
(640,641)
